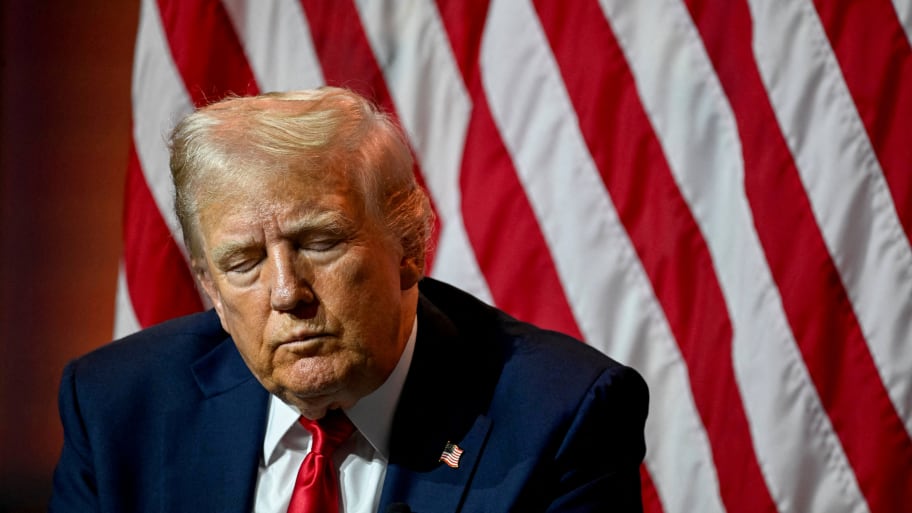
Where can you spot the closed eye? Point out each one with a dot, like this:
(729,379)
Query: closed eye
(321,232)
(239,260)
(326,238)
(320,245)
(243,267)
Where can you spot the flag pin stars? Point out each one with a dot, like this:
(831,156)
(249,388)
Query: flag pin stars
(451,454)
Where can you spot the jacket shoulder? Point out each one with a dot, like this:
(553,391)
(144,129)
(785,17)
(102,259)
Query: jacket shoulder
(520,368)
(147,362)
(565,420)
(177,339)
(519,343)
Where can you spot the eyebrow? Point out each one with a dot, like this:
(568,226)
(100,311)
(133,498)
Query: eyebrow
(321,222)
(224,252)
(325,221)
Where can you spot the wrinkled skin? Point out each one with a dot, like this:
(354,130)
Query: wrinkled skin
(317,296)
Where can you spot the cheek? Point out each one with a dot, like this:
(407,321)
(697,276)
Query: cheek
(246,321)
(373,303)
(360,291)
(342,285)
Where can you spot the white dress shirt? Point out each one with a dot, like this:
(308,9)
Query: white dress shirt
(361,460)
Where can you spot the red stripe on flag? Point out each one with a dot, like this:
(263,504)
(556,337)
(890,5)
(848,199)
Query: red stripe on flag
(348,61)
(878,73)
(815,300)
(152,257)
(651,501)
(516,262)
(206,50)
(344,50)
(664,233)
(462,18)
(211,62)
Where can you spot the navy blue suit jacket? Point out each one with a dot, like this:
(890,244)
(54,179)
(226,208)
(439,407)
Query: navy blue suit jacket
(171,419)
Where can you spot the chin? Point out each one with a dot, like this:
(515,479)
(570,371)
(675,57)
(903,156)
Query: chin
(315,408)
(313,395)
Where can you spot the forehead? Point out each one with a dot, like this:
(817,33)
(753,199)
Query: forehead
(275,192)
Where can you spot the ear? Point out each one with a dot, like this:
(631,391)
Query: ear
(201,271)
(409,273)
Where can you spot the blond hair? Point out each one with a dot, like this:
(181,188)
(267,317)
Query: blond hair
(327,129)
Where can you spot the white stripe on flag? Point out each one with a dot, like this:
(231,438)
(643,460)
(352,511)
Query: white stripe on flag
(563,186)
(277,41)
(844,182)
(434,109)
(159,98)
(904,13)
(701,143)
(125,321)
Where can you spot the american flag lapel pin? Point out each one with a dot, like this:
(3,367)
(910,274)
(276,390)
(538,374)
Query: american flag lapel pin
(451,454)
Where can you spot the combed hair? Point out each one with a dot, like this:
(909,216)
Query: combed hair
(328,130)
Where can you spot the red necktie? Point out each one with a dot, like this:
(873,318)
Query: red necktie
(317,486)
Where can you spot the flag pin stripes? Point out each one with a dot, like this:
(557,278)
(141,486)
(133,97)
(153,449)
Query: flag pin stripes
(451,454)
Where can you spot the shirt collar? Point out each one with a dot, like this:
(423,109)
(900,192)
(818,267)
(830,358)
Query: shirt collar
(372,414)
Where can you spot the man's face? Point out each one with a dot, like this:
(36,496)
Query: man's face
(318,298)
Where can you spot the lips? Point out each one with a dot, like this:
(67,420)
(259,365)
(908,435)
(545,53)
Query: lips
(302,337)
(303,347)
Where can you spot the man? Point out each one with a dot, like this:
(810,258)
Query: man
(307,231)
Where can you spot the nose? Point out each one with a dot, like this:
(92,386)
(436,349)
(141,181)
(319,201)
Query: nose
(290,286)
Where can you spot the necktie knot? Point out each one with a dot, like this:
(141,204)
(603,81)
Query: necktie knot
(317,485)
(328,432)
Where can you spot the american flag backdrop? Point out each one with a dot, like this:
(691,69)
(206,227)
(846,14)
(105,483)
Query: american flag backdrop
(717,193)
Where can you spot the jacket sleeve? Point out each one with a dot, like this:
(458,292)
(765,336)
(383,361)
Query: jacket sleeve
(74,487)
(598,463)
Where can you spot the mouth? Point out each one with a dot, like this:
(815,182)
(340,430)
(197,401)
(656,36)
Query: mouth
(303,342)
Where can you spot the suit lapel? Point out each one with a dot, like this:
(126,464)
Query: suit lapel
(213,445)
(445,397)
(429,485)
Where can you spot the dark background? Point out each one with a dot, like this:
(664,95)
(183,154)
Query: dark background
(65,82)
